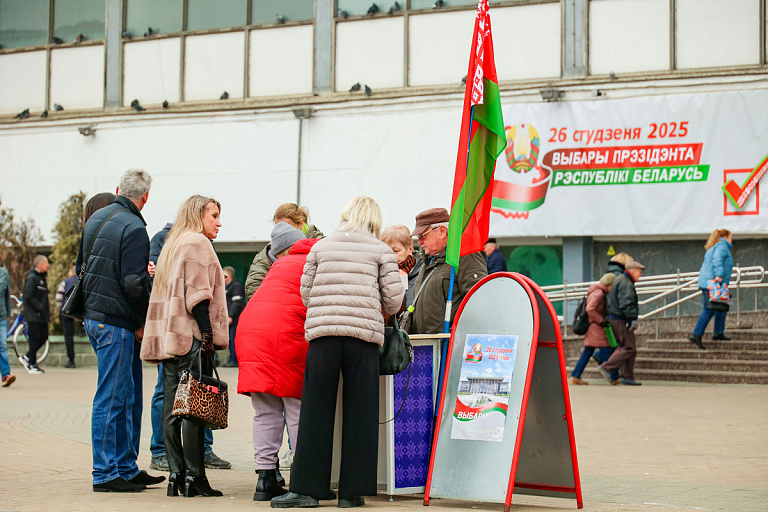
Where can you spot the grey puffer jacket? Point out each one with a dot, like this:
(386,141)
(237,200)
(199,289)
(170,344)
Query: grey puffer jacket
(349,276)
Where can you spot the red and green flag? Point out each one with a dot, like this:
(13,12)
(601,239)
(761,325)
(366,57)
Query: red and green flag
(481,141)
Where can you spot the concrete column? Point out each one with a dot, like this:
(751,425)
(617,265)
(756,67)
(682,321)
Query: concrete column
(575,16)
(323,57)
(113,89)
(577,259)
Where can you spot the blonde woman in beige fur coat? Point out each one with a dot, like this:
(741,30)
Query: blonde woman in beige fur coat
(187,313)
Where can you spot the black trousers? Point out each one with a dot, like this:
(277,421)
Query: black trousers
(37,334)
(69,336)
(358,363)
(184,438)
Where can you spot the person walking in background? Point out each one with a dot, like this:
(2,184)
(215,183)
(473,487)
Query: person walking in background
(5,310)
(717,265)
(399,239)
(494,258)
(349,276)
(159,460)
(235,305)
(596,337)
(272,351)
(295,216)
(186,320)
(116,291)
(35,312)
(623,310)
(616,266)
(67,323)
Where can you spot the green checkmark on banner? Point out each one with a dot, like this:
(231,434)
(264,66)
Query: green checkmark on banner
(739,194)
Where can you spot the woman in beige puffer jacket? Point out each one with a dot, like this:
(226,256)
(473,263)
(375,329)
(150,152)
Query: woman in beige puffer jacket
(349,276)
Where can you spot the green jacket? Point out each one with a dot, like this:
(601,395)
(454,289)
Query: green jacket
(429,314)
(622,299)
(261,264)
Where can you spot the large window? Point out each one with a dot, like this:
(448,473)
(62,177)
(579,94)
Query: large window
(23,23)
(74,17)
(268,11)
(203,14)
(162,16)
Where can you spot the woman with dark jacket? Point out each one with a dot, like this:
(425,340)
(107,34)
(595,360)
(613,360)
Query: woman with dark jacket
(596,337)
(348,278)
(717,265)
(187,319)
(271,353)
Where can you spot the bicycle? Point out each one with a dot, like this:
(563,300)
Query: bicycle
(18,333)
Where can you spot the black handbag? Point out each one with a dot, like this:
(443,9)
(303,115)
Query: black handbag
(397,352)
(74,302)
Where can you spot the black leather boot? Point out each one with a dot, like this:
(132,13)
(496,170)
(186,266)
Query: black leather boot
(199,486)
(267,486)
(697,340)
(176,484)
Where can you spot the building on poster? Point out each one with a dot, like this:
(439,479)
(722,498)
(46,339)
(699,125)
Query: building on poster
(483,393)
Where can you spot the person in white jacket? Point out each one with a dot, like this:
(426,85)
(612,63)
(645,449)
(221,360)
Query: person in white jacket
(348,278)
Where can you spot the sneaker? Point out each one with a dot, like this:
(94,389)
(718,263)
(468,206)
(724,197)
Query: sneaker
(357,501)
(606,375)
(293,500)
(24,360)
(286,460)
(70,364)
(577,381)
(34,369)
(8,380)
(630,382)
(212,461)
(159,463)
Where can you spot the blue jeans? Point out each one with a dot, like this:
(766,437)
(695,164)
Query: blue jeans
(117,405)
(156,444)
(5,364)
(603,354)
(706,316)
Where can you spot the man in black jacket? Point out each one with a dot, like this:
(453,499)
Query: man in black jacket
(35,312)
(623,308)
(116,291)
(235,306)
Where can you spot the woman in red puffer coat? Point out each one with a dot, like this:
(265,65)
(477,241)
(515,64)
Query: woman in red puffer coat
(271,350)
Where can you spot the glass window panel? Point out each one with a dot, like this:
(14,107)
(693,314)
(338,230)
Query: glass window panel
(430,4)
(23,23)
(74,17)
(162,15)
(266,11)
(352,7)
(204,14)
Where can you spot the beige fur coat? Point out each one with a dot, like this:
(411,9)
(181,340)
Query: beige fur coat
(195,276)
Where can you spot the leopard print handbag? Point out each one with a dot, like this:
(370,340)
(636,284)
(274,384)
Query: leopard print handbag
(202,397)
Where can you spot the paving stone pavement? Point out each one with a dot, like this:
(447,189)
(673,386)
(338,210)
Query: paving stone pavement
(659,447)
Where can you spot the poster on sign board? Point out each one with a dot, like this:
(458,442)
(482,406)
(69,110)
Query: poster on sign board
(483,394)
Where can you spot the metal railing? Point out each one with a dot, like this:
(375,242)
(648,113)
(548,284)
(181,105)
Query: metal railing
(682,286)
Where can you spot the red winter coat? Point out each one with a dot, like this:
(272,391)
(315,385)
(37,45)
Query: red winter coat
(596,297)
(270,345)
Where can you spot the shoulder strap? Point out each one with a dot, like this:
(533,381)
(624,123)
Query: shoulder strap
(424,282)
(93,239)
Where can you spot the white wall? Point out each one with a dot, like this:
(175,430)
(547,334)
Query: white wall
(439,46)
(77,77)
(527,41)
(22,82)
(214,63)
(370,52)
(281,61)
(151,71)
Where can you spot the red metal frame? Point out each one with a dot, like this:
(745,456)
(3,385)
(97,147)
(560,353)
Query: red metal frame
(448,355)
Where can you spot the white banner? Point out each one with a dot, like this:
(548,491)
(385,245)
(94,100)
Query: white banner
(638,166)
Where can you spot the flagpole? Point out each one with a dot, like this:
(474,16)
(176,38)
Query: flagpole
(449,302)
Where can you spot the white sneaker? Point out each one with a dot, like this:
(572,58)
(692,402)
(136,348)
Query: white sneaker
(24,362)
(34,369)
(286,460)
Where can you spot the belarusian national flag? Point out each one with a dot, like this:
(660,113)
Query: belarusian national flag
(478,147)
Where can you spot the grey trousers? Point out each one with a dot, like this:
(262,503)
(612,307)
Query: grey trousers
(268,422)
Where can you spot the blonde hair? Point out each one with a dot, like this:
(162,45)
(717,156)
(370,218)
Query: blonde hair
(715,237)
(623,258)
(362,213)
(608,278)
(398,233)
(298,214)
(189,220)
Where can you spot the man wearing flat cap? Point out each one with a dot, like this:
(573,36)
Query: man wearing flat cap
(623,310)
(429,313)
